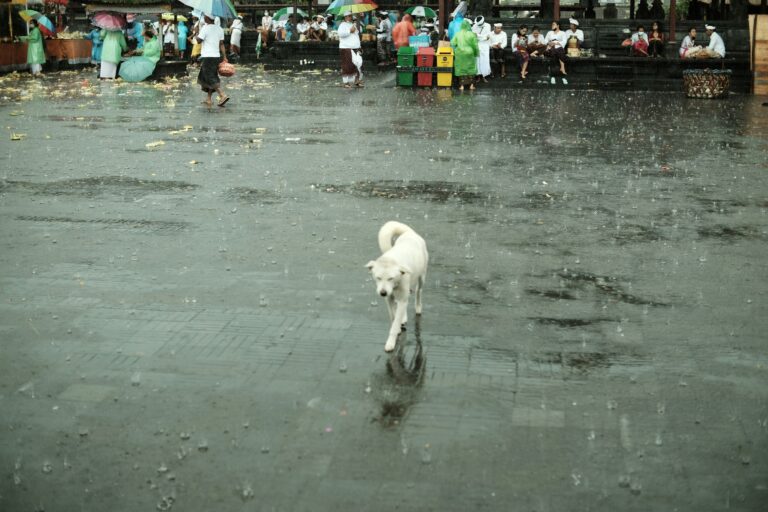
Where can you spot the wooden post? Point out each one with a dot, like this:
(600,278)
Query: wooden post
(631,9)
(442,5)
(556,9)
(672,19)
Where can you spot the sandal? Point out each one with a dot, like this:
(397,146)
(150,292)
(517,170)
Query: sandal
(223,101)
(347,86)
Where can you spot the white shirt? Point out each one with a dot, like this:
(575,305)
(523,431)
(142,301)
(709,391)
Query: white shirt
(302,27)
(319,26)
(237,24)
(534,39)
(169,33)
(210,35)
(637,36)
(483,34)
(384,31)
(558,39)
(266,21)
(578,33)
(347,39)
(499,39)
(687,44)
(716,44)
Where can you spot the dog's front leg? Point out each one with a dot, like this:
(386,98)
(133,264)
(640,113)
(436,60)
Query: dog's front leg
(400,309)
(390,300)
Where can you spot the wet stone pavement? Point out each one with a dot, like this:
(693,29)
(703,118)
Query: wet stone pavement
(187,323)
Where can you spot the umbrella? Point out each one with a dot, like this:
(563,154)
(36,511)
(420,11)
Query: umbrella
(221,8)
(44,24)
(282,14)
(170,16)
(57,2)
(109,20)
(421,12)
(136,69)
(356,6)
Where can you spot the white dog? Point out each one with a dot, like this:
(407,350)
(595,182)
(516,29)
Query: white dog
(400,269)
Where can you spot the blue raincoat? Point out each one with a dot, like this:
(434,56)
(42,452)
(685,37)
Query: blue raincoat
(183,32)
(95,37)
(455,26)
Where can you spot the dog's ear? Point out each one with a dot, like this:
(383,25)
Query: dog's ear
(404,270)
(370,264)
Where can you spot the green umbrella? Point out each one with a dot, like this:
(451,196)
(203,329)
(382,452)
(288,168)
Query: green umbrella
(421,12)
(136,69)
(282,14)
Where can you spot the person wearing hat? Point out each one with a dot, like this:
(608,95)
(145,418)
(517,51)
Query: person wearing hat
(574,38)
(716,47)
(235,35)
(466,51)
(483,32)
(349,42)
(383,38)
(498,42)
(318,29)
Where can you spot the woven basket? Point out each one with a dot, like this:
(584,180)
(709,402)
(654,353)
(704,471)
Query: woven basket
(226,69)
(706,83)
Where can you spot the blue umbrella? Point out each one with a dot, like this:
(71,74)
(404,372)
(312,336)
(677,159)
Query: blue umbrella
(136,69)
(221,8)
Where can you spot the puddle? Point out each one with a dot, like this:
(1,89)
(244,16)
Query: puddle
(606,285)
(436,191)
(131,223)
(252,195)
(730,233)
(569,322)
(125,186)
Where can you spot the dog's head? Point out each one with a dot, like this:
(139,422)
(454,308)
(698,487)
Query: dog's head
(387,274)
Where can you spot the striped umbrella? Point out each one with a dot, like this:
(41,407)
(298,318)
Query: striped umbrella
(44,24)
(355,6)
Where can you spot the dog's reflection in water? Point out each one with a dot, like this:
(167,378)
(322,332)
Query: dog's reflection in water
(398,388)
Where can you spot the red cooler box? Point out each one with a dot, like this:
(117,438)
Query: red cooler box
(425,58)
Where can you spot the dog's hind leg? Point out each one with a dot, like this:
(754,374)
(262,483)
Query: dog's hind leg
(419,286)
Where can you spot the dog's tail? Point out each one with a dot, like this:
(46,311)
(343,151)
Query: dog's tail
(389,232)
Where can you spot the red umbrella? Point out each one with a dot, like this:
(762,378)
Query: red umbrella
(109,20)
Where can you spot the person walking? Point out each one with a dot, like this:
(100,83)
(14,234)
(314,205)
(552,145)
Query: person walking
(235,35)
(349,43)
(95,37)
(111,51)
(35,49)
(211,38)
(466,51)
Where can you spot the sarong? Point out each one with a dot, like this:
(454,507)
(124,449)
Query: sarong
(235,38)
(497,55)
(348,69)
(208,78)
(108,69)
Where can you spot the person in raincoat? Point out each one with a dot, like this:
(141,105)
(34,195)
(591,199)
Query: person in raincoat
(455,25)
(35,50)
(402,31)
(183,34)
(95,37)
(151,52)
(112,49)
(466,51)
